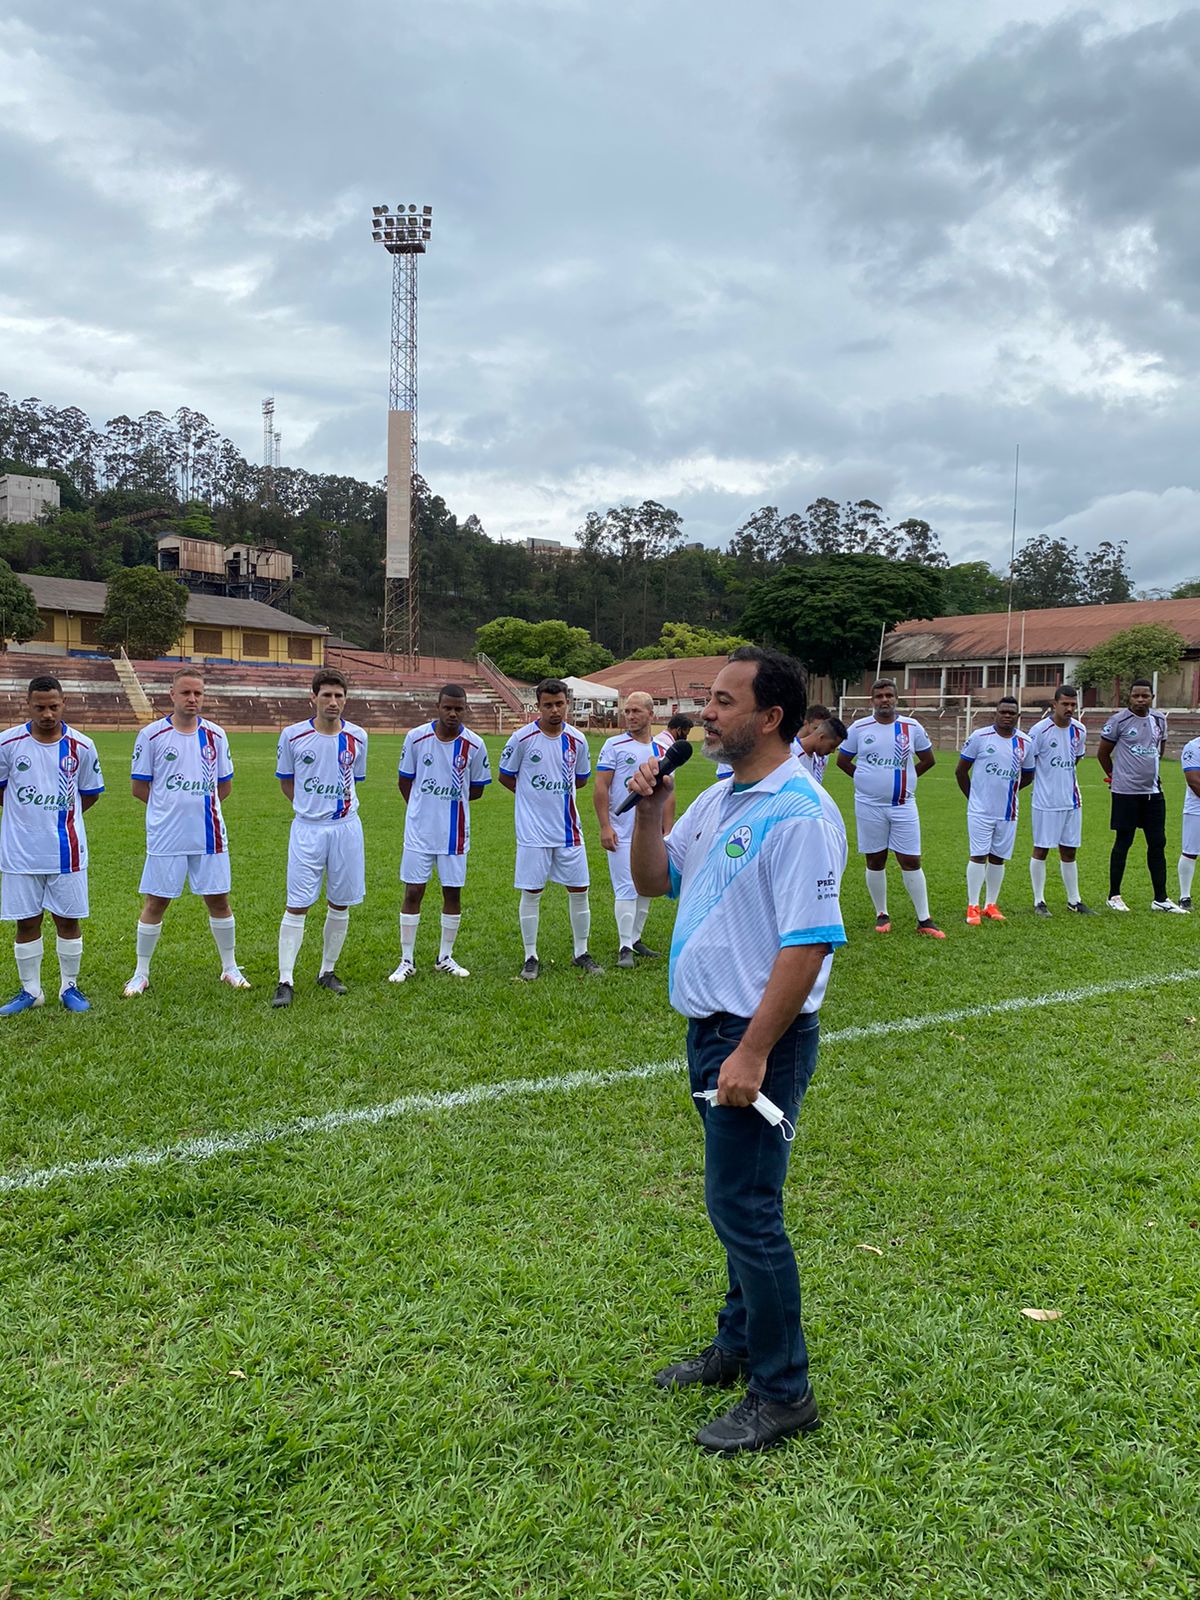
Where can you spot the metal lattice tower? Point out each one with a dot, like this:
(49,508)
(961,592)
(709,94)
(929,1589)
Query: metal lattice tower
(268,458)
(404,234)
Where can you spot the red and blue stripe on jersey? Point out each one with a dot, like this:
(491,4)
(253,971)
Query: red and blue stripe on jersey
(69,855)
(347,755)
(903,753)
(214,833)
(572,834)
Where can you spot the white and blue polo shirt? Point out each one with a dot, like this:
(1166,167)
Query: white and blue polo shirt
(755,870)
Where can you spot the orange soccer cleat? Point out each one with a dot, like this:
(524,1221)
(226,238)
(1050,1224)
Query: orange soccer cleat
(972,916)
(993,913)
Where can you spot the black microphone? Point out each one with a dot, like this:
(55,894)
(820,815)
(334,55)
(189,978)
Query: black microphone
(679,752)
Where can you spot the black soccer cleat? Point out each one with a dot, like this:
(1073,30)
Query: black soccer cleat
(1040,908)
(282,996)
(1080,909)
(625,957)
(644,950)
(588,964)
(530,971)
(331,981)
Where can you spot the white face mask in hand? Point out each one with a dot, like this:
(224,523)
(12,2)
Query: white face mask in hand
(765,1108)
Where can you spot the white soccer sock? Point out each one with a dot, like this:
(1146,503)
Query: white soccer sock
(337,925)
(918,892)
(70,957)
(1037,877)
(1070,878)
(224,932)
(409,923)
(531,910)
(581,921)
(148,934)
(29,966)
(643,911)
(291,937)
(450,922)
(995,877)
(976,873)
(877,889)
(626,911)
(1187,871)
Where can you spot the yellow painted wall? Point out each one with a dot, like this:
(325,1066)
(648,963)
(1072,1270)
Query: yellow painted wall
(72,632)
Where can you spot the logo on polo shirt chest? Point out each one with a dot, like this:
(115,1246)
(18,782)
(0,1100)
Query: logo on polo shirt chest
(738,842)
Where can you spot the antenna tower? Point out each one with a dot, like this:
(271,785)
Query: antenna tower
(268,457)
(404,233)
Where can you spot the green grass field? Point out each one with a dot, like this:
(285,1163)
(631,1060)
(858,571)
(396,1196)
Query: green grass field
(412,1358)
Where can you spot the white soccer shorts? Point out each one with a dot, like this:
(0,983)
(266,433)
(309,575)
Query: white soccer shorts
(988,837)
(416,866)
(618,871)
(165,876)
(1054,828)
(538,865)
(25,894)
(1190,844)
(896,828)
(329,850)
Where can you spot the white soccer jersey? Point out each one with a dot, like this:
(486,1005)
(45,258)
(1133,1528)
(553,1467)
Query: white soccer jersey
(755,871)
(438,818)
(1056,753)
(41,824)
(1189,760)
(545,767)
(326,768)
(885,770)
(998,762)
(622,755)
(813,764)
(183,813)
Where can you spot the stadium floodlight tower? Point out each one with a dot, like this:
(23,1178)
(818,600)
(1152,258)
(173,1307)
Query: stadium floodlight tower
(404,233)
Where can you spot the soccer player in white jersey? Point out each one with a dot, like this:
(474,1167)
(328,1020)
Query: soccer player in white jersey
(543,765)
(619,759)
(49,776)
(1058,742)
(320,764)
(181,772)
(443,769)
(886,754)
(1189,760)
(995,765)
(816,742)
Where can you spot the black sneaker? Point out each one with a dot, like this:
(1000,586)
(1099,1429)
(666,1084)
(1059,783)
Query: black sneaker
(644,950)
(757,1424)
(588,964)
(530,970)
(1041,909)
(1080,909)
(625,956)
(331,981)
(1184,905)
(713,1366)
(282,995)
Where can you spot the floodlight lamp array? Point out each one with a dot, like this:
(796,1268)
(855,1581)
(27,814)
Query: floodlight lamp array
(404,231)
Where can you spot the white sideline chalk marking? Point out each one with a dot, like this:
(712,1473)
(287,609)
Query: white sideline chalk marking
(224,1144)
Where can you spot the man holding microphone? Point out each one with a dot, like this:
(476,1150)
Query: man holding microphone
(756,864)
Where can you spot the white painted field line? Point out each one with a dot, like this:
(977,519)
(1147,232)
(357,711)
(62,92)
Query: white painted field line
(223,1144)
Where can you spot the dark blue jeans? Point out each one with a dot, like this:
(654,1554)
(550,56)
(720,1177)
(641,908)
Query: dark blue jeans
(745,1163)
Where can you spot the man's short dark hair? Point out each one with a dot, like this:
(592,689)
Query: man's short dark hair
(818,713)
(454,691)
(1065,691)
(883,683)
(1008,700)
(324,675)
(835,726)
(780,681)
(44,684)
(1142,683)
(551,686)
(680,725)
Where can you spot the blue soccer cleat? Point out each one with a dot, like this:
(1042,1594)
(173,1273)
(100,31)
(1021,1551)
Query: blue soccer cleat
(74,1001)
(24,1001)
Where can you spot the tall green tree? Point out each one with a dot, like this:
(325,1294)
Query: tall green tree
(1133,653)
(1048,572)
(19,619)
(144,612)
(1106,576)
(678,640)
(970,587)
(828,611)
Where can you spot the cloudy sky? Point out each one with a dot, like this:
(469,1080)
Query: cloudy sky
(717,256)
